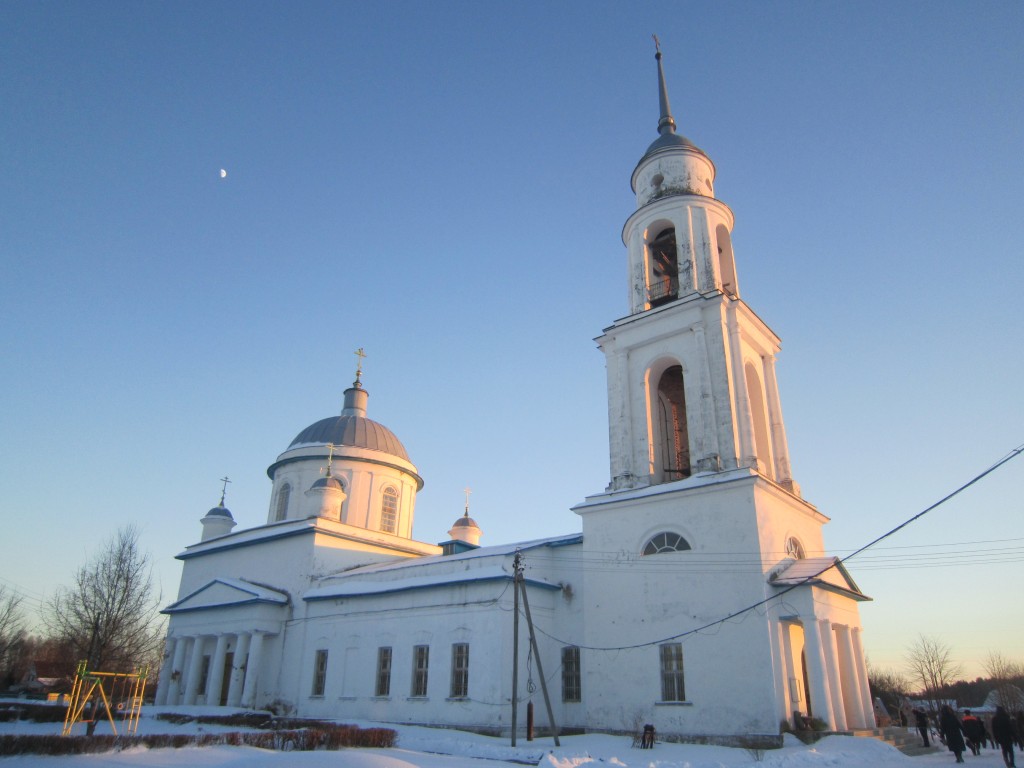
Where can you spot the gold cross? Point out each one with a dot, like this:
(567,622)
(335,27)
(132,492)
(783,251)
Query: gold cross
(359,367)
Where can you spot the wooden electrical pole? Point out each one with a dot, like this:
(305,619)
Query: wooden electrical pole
(540,666)
(516,574)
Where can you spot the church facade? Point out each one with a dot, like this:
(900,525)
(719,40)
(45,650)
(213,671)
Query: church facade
(697,596)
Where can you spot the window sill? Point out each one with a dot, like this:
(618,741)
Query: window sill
(381,698)
(457,698)
(316,695)
(418,698)
(673,703)
(347,698)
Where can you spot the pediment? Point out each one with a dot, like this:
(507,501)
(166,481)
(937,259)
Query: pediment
(828,572)
(225,593)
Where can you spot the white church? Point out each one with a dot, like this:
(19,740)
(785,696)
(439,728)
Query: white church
(688,600)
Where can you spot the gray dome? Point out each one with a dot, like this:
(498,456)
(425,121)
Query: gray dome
(353,431)
(327,482)
(670,141)
(220,512)
(465,522)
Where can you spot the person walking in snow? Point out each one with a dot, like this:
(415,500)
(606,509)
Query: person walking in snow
(974,730)
(921,721)
(952,732)
(1002,732)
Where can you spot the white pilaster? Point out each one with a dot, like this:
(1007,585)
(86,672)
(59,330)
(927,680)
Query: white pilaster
(165,671)
(177,671)
(746,451)
(252,669)
(780,445)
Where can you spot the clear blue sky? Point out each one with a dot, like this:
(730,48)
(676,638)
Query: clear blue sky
(444,184)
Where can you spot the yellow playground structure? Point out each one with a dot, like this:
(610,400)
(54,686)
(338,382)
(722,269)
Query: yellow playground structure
(122,698)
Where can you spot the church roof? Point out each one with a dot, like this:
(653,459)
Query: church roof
(668,138)
(353,431)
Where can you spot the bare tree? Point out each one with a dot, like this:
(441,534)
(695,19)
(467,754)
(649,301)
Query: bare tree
(110,617)
(888,685)
(930,663)
(1006,677)
(12,630)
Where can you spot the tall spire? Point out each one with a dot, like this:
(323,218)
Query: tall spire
(666,124)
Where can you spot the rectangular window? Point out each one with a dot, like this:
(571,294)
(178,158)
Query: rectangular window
(420,663)
(672,672)
(570,673)
(319,672)
(383,671)
(460,670)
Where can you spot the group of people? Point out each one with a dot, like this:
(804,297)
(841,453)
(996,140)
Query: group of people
(970,733)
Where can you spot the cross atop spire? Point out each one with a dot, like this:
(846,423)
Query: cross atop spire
(467,492)
(666,123)
(330,457)
(224,489)
(359,368)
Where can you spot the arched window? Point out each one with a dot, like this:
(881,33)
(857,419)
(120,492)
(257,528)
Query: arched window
(281,510)
(794,548)
(666,541)
(674,437)
(663,281)
(389,510)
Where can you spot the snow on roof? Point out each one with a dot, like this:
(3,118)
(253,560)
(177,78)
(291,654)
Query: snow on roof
(358,588)
(827,572)
(424,572)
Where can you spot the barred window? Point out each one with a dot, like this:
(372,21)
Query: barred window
(794,548)
(570,673)
(672,688)
(460,670)
(420,665)
(389,510)
(319,672)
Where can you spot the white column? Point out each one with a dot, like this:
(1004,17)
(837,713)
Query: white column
(852,697)
(862,674)
(165,672)
(746,451)
(195,666)
(215,680)
(177,671)
(709,455)
(252,669)
(238,672)
(835,683)
(786,667)
(821,697)
(780,446)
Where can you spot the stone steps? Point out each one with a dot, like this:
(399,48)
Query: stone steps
(906,740)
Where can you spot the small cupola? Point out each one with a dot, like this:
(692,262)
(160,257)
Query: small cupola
(218,521)
(329,491)
(465,533)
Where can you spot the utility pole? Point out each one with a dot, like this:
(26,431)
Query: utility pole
(516,574)
(540,666)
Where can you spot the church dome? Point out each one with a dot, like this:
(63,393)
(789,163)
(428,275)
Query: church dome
(352,428)
(220,511)
(465,522)
(353,431)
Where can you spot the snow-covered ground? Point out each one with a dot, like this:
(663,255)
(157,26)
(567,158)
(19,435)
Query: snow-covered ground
(439,748)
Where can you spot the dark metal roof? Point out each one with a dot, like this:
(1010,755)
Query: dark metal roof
(353,431)
(219,512)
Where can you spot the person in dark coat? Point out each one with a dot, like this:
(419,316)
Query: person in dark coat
(974,730)
(1002,732)
(921,721)
(952,732)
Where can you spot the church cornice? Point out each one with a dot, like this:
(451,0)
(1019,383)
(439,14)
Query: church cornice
(662,206)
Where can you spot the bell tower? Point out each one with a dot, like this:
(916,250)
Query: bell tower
(691,368)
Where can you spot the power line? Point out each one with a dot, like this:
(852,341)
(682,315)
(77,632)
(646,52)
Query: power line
(742,612)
